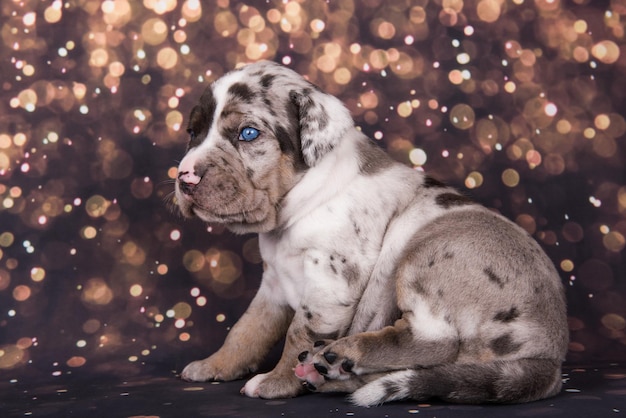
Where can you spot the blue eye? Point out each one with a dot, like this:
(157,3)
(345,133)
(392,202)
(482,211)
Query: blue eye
(248,134)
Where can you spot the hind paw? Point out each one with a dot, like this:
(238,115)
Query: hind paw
(323,363)
(306,371)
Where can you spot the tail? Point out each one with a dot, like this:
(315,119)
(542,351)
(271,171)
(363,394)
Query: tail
(511,381)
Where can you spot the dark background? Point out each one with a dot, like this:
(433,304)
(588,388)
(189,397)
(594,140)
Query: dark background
(518,103)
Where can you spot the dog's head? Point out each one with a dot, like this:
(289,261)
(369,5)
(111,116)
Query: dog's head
(252,136)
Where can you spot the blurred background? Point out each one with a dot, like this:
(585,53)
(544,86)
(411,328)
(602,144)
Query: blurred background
(520,103)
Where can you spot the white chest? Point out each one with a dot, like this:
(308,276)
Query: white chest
(283,270)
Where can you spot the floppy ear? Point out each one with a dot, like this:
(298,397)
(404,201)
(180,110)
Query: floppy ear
(323,120)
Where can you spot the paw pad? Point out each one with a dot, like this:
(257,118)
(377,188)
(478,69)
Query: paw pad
(330,357)
(321,369)
(302,356)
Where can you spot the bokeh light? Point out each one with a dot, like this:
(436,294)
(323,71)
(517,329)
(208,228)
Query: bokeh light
(519,104)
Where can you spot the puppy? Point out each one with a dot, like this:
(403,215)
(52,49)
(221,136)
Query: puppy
(386,283)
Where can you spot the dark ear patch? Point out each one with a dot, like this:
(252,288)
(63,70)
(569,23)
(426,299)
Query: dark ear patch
(322,120)
(312,121)
(285,142)
(288,135)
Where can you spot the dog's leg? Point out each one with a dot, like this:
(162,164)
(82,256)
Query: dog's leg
(394,347)
(282,382)
(505,381)
(251,338)
(325,312)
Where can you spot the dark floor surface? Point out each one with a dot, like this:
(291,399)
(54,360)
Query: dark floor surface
(588,392)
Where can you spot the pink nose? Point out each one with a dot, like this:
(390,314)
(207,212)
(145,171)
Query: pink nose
(187,181)
(188,177)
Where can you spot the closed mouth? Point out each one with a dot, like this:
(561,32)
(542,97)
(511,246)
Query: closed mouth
(253,215)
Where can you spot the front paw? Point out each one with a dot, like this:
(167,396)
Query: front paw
(213,368)
(273,385)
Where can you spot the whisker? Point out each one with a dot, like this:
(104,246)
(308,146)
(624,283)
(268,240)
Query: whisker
(166,182)
(170,203)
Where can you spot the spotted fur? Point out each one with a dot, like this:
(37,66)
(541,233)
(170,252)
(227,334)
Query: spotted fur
(386,283)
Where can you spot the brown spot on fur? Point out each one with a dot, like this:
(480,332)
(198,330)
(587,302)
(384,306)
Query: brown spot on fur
(201,118)
(241,91)
(418,287)
(504,345)
(447,200)
(267,79)
(507,316)
(493,277)
(430,182)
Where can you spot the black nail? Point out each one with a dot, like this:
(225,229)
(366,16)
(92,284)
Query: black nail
(347,365)
(302,356)
(318,343)
(310,386)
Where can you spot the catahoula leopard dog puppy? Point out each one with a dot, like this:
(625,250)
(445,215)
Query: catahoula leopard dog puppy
(387,284)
